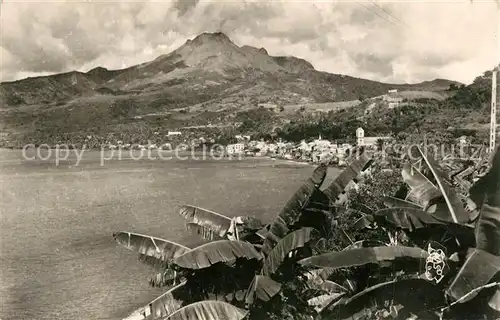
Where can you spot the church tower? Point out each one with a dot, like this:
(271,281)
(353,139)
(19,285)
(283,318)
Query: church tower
(360,135)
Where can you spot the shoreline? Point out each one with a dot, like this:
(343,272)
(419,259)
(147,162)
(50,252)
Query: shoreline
(62,156)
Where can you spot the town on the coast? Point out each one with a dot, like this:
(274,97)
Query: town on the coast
(317,150)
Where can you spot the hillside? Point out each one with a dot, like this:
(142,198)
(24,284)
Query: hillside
(441,117)
(209,79)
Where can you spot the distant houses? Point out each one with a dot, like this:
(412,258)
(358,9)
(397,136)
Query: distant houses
(320,150)
(235,148)
(392,99)
(320,144)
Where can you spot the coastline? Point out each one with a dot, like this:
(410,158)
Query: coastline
(74,157)
(63,156)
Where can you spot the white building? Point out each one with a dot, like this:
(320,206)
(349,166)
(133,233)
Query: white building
(235,148)
(361,140)
(392,98)
(272,147)
(174,133)
(304,146)
(261,145)
(320,144)
(240,137)
(342,149)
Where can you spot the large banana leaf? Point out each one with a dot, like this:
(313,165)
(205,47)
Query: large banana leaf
(483,262)
(349,173)
(262,288)
(362,256)
(422,190)
(316,277)
(290,242)
(166,277)
(321,302)
(251,223)
(209,310)
(364,244)
(366,221)
(488,229)
(262,233)
(479,268)
(488,224)
(211,253)
(155,249)
(213,224)
(457,212)
(167,303)
(290,214)
(328,286)
(408,218)
(249,226)
(395,202)
(478,190)
(204,232)
(494,302)
(319,174)
(412,295)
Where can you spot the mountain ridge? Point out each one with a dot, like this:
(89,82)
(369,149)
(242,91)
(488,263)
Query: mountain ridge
(223,40)
(208,79)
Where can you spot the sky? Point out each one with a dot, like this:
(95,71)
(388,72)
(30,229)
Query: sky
(396,42)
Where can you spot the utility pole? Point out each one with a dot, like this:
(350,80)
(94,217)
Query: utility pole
(493,120)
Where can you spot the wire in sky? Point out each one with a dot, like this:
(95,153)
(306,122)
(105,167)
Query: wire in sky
(380,16)
(388,12)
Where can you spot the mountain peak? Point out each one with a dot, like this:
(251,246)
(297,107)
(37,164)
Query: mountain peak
(254,49)
(97,70)
(208,37)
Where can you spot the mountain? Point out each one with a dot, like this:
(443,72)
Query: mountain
(207,79)
(436,85)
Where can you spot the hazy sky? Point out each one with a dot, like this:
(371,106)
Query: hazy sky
(404,41)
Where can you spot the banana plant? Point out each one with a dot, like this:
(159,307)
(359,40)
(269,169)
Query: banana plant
(254,269)
(481,269)
(206,271)
(471,287)
(211,225)
(208,310)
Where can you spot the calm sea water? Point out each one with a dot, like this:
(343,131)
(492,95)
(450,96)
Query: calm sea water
(58,259)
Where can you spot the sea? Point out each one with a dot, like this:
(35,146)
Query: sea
(58,259)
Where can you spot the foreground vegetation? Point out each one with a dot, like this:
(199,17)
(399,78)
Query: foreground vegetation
(368,246)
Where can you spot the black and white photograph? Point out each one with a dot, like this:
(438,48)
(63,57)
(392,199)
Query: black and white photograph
(249,160)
